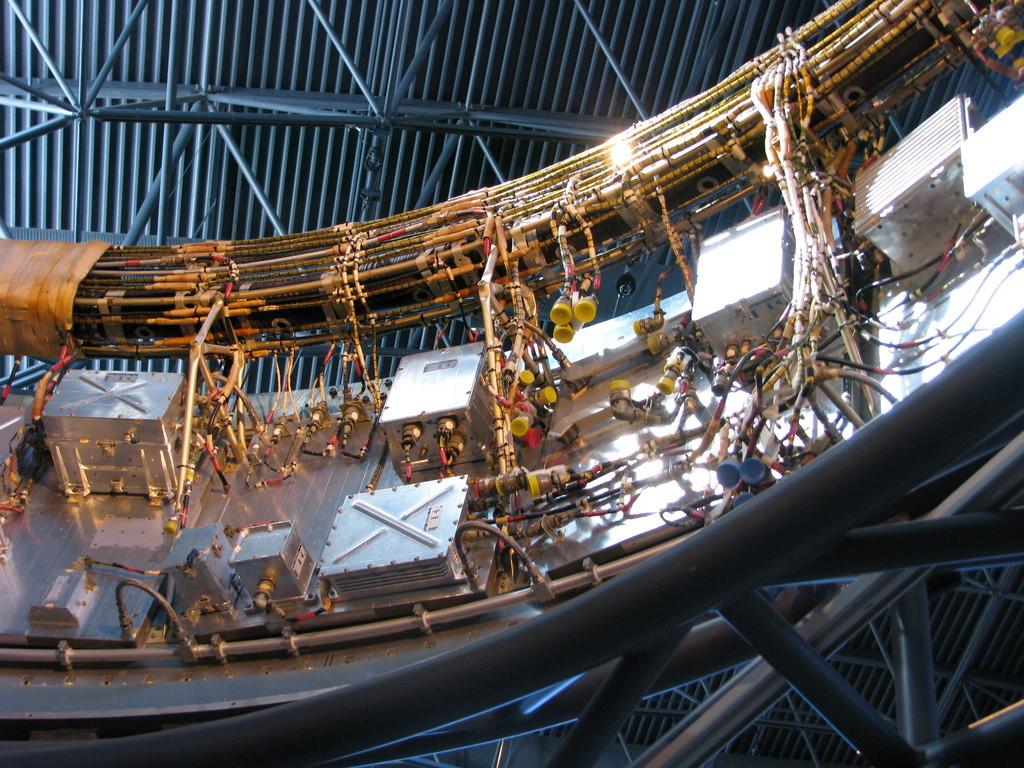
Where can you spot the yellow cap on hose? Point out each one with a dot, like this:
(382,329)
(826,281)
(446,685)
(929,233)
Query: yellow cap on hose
(520,424)
(533,484)
(563,334)
(561,311)
(585,309)
(547,395)
(526,377)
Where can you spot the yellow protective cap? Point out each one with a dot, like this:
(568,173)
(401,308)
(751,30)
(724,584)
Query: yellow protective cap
(585,309)
(533,484)
(561,312)
(1006,38)
(665,385)
(519,425)
(171,527)
(563,333)
(526,377)
(656,343)
(638,327)
(548,395)
(620,384)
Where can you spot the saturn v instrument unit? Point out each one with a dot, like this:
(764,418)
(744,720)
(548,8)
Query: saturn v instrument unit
(160,528)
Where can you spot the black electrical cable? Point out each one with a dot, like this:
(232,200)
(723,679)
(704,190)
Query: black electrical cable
(896,278)
(687,509)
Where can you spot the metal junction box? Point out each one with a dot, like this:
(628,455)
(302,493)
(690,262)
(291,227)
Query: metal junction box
(911,201)
(396,539)
(994,167)
(199,566)
(274,551)
(114,432)
(66,602)
(429,387)
(744,280)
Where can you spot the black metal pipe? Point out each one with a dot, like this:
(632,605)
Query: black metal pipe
(995,742)
(779,530)
(962,540)
(629,680)
(916,711)
(711,647)
(753,617)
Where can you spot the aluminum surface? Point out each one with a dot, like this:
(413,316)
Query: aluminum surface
(429,387)
(396,539)
(147,402)
(744,281)
(911,201)
(993,160)
(274,552)
(199,566)
(113,432)
(42,570)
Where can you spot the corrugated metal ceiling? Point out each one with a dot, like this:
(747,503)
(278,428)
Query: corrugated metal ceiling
(517,83)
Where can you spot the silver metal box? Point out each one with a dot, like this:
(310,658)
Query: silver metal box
(994,166)
(429,387)
(911,201)
(199,565)
(744,280)
(396,539)
(114,432)
(275,552)
(66,602)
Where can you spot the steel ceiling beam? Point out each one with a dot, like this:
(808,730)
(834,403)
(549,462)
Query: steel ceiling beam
(115,53)
(972,539)
(612,60)
(37,92)
(44,53)
(753,690)
(345,57)
(629,681)
(557,129)
(80,135)
(994,742)
(169,100)
(337,109)
(427,193)
(489,157)
(34,106)
(916,714)
(981,628)
(422,49)
(250,176)
(54,124)
(153,195)
(862,658)
(246,98)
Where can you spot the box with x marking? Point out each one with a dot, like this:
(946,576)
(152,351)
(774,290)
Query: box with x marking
(396,539)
